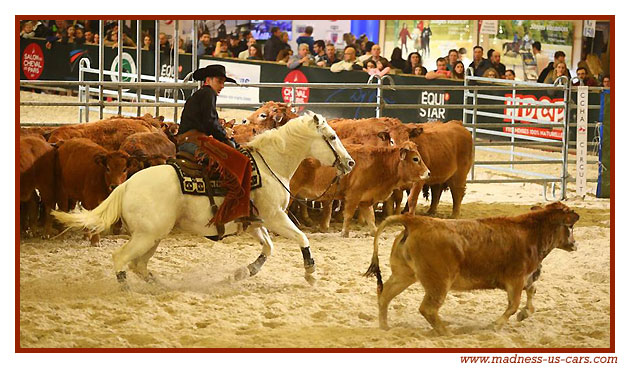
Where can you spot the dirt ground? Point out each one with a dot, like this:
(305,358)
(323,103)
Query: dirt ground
(69,296)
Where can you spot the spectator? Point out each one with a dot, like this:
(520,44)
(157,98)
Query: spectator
(365,45)
(349,61)
(479,64)
(490,72)
(375,51)
(369,66)
(283,56)
(396,59)
(413,60)
(254,52)
(441,71)
(583,79)
(489,54)
(458,71)
(69,36)
(284,37)
(28,31)
(89,37)
(559,71)
(181,45)
(204,46)
(558,57)
(165,46)
(419,70)
(96,38)
(221,50)
(495,62)
(273,45)
(112,39)
(307,38)
(453,57)
(41,30)
(234,45)
(246,54)
(606,81)
(383,66)
(79,35)
(221,30)
(330,58)
(147,42)
(319,47)
(541,59)
(367,54)
(510,75)
(303,57)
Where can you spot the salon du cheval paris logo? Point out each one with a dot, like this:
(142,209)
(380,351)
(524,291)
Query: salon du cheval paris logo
(301,93)
(33,61)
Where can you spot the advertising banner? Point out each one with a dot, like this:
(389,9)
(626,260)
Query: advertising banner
(431,38)
(242,73)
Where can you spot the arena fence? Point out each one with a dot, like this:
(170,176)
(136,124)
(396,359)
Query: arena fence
(472,109)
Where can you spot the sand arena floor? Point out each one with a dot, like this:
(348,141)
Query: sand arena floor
(69,296)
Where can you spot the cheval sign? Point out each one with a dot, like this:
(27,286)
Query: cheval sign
(542,114)
(433,98)
(301,93)
(33,61)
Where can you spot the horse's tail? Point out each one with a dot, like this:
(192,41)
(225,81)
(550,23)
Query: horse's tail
(374,269)
(98,219)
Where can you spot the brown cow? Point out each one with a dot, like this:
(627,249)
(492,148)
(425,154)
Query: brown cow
(37,164)
(377,172)
(490,253)
(268,116)
(149,149)
(87,172)
(43,131)
(109,133)
(446,149)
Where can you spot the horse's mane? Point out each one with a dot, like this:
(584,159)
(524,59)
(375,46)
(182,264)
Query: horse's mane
(297,127)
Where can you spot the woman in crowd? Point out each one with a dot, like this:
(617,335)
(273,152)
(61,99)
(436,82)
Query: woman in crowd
(458,71)
(558,71)
(254,52)
(414,59)
(283,56)
(396,59)
(490,73)
(147,42)
(221,50)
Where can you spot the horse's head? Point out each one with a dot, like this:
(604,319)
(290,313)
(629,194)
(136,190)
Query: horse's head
(328,150)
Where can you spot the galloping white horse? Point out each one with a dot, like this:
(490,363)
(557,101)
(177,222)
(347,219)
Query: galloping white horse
(151,203)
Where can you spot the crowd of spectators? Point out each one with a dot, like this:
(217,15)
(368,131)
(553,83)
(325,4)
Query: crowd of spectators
(358,54)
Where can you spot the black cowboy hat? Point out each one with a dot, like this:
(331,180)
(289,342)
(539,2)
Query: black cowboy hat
(214,70)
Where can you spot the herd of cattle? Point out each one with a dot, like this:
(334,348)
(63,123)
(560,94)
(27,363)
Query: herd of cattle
(84,163)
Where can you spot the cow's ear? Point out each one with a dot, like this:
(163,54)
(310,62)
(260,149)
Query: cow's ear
(571,218)
(384,136)
(536,208)
(403,153)
(101,159)
(161,118)
(415,132)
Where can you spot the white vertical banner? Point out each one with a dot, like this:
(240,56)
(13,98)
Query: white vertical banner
(490,27)
(589,28)
(582,139)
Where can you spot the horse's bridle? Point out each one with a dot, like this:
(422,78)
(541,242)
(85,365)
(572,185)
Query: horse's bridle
(335,180)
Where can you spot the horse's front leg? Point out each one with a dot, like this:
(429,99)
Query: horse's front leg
(280,223)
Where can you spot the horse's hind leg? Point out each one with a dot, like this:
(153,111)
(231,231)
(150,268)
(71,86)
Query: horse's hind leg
(137,246)
(139,265)
(261,234)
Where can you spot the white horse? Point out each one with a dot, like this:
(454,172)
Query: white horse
(151,203)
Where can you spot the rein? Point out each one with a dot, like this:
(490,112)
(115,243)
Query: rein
(300,200)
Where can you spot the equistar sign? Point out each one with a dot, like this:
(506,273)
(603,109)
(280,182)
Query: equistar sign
(33,61)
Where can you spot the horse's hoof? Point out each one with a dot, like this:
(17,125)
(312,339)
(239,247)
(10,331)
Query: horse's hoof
(124,287)
(309,269)
(241,274)
(310,278)
(522,315)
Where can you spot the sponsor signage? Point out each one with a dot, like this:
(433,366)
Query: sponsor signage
(589,28)
(128,66)
(541,114)
(301,93)
(489,27)
(242,73)
(33,61)
(581,139)
(433,98)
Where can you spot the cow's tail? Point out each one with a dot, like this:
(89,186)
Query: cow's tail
(374,269)
(98,219)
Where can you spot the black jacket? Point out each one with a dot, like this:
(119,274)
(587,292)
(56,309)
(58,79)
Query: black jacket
(481,68)
(272,48)
(200,113)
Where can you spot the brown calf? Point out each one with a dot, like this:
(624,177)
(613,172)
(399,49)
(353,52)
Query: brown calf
(149,149)
(490,253)
(377,172)
(37,164)
(87,172)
